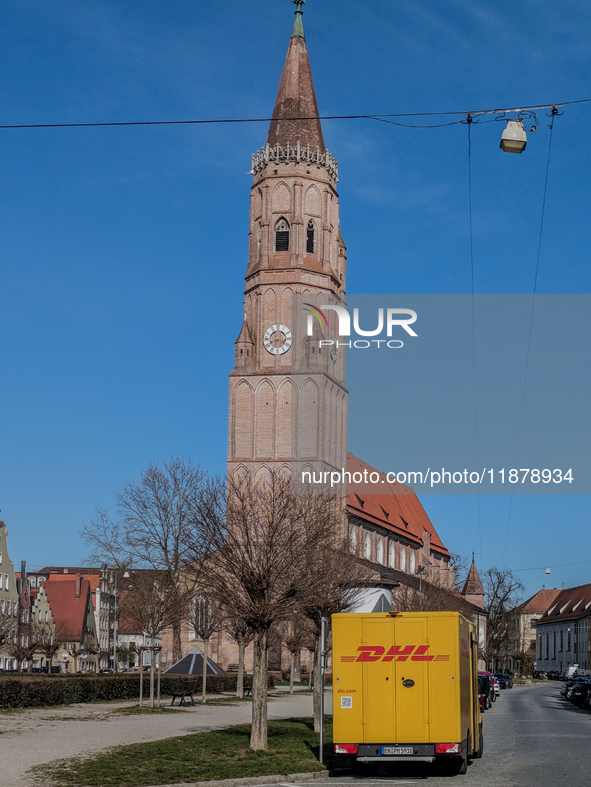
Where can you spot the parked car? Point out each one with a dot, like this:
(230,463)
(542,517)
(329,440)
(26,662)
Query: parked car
(490,692)
(505,681)
(496,686)
(579,692)
(483,700)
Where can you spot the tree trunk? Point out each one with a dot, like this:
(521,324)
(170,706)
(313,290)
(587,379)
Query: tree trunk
(29,666)
(297,670)
(258,734)
(291,670)
(141,678)
(159,678)
(151,678)
(318,684)
(240,675)
(177,651)
(204,674)
(311,660)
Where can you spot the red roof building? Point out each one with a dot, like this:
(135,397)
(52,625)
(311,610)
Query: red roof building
(391,528)
(75,627)
(562,632)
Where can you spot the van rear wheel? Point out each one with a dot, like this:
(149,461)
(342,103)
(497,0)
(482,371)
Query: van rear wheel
(477,755)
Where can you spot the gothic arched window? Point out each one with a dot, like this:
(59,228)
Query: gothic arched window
(367,547)
(392,555)
(353,539)
(412,562)
(282,236)
(310,238)
(380,551)
(402,559)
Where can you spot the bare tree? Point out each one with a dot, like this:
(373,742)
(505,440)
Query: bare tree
(243,635)
(30,635)
(8,625)
(262,538)
(344,580)
(502,593)
(150,602)
(156,518)
(206,617)
(49,646)
(294,634)
(460,565)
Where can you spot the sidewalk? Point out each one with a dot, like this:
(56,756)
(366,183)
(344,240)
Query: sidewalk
(35,736)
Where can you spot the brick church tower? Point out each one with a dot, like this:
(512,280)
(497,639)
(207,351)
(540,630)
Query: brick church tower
(288,401)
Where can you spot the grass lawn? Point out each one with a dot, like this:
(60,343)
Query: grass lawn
(222,754)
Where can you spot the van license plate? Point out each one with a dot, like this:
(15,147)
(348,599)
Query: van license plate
(397,750)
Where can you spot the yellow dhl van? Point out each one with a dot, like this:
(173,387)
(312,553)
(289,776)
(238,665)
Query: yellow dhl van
(405,687)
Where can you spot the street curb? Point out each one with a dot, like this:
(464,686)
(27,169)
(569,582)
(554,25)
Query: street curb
(252,780)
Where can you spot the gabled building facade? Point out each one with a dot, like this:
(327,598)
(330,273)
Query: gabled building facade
(75,627)
(562,632)
(9,604)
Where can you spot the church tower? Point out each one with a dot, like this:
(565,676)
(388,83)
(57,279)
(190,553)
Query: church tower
(288,401)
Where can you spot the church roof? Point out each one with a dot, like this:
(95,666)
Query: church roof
(295,117)
(397,508)
(473,585)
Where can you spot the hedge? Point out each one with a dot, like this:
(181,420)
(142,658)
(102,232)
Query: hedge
(38,691)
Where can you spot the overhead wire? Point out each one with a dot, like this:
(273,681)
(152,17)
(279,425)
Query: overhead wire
(469,124)
(378,116)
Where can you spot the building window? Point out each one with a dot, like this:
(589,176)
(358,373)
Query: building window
(353,539)
(367,546)
(568,639)
(412,562)
(554,646)
(561,641)
(6,582)
(532,623)
(310,238)
(392,554)
(402,559)
(282,236)
(380,551)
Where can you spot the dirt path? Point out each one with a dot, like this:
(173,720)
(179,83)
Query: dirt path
(36,736)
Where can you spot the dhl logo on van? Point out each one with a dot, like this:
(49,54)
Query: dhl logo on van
(396,653)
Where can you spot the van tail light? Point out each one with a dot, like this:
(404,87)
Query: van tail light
(447,748)
(346,748)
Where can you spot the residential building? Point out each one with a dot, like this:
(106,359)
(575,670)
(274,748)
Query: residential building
(75,627)
(9,604)
(526,617)
(562,632)
(103,589)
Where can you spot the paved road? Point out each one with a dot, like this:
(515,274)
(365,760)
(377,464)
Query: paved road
(532,738)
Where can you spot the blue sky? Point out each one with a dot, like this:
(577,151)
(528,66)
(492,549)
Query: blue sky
(124,249)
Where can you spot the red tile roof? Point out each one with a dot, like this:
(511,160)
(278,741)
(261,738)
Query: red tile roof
(542,601)
(396,508)
(67,610)
(569,604)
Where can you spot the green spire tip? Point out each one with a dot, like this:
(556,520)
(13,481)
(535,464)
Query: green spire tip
(298,27)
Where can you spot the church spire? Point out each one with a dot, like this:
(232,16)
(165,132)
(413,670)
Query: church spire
(298,25)
(295,117)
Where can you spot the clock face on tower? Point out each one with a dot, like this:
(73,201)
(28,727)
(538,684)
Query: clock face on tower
(277,339)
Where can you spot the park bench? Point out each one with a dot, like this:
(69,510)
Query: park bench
(188,690)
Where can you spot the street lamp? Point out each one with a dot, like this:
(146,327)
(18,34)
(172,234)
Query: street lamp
(514,138)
